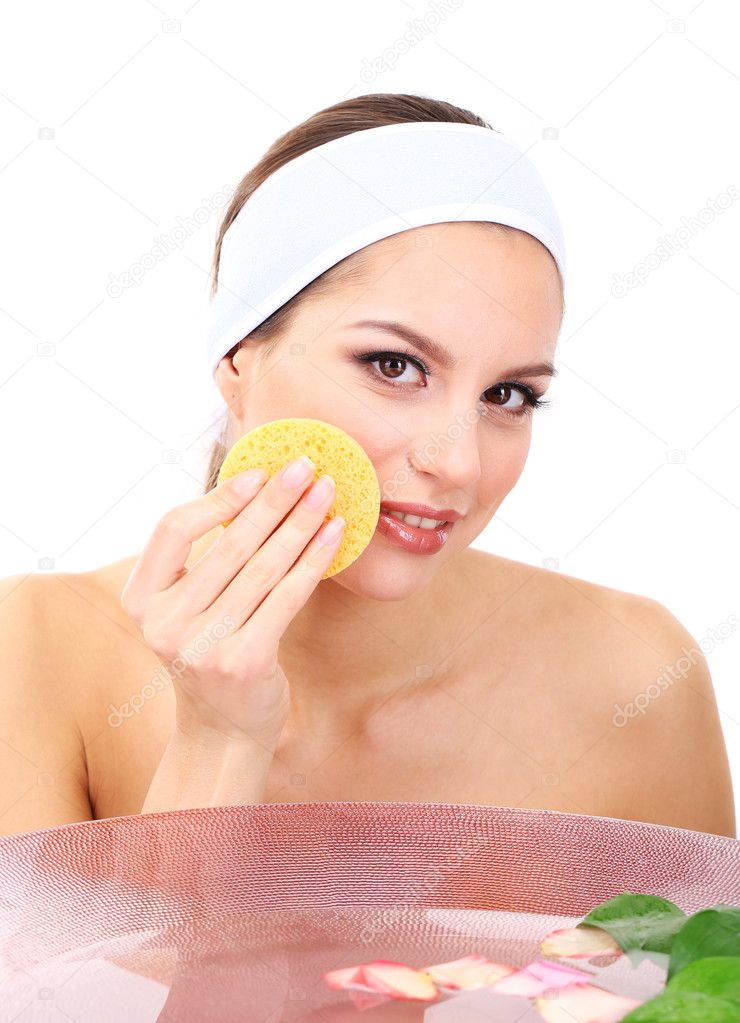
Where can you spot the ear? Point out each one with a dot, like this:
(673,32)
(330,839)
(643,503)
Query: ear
(232,376)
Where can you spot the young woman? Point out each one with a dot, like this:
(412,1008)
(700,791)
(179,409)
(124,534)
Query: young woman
(448,675)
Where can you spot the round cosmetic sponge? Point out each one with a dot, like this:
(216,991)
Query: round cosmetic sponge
(334,452)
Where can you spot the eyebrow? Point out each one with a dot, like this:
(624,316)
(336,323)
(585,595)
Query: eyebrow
(444,358)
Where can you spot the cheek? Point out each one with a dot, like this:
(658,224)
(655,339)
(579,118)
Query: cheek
(502,464)
(298,387)
(388,457)
(316,396)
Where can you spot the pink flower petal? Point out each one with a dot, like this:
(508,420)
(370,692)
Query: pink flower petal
(398,980)
(579,943)
(341,980)
(537,977)
(382,977)
(584,1003)
(470,972)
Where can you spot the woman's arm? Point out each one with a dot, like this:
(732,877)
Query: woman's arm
(209,769)
(672,746)
(43,773)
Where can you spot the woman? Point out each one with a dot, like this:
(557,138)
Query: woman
(452,675)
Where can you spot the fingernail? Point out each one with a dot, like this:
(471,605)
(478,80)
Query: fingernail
(319,492)
(297,472)
(245,482)
(330,530)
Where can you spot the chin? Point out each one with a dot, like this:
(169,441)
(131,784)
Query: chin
(391,574)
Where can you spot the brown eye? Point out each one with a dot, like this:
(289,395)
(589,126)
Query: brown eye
(508,389)
(393,359)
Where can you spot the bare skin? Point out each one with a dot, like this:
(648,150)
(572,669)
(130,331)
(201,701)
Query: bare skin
(400,752)
(522,716)
(460,677)
(501,722)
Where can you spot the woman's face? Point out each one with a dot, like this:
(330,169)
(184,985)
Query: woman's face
(449,437)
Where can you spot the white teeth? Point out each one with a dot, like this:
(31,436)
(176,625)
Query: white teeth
(416,520)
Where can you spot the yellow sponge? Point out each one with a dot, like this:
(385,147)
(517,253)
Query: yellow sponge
(357,494)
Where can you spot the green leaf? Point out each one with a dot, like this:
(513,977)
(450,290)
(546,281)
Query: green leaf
(714,975)
(638,921)
(684,1007)
(708,933)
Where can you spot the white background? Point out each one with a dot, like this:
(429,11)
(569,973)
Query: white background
(122,121)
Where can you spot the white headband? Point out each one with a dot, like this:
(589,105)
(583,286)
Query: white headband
(345,194)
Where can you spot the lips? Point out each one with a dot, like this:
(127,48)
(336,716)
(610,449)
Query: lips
(413,538)
(424,511)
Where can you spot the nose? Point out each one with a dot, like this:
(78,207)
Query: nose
(450,452)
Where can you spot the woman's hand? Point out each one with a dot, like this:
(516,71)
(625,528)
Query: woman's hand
(245,590)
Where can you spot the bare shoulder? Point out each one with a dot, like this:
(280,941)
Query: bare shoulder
(73,619)
(94,634)
(593,629)
(78,624)
(67,652)
(43,768)
(52,606)
(610,618)
(562,599)
(82,609)
(672,725)
(638,684)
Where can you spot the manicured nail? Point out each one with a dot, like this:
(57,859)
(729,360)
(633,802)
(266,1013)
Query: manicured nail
(297,472)
(246,482)
(330,532)
(319,492)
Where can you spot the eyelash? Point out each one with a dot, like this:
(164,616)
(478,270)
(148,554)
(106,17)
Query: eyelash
(532,399)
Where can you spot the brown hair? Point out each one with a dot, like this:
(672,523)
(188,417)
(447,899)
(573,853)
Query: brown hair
(356,114)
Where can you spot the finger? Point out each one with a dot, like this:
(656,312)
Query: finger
(240,541)
(267,624)
(275,557)
(162,562)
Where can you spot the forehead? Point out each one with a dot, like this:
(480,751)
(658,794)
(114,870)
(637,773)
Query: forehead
(458,280)
(486,255)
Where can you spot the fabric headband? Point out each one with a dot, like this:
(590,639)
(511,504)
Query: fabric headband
(345,194)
